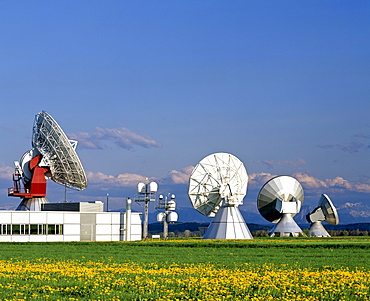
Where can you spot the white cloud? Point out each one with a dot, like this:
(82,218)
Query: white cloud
(121,180)
(310,182)
(363,187)
(336,184)
(6,172)
(85,140)
(180,177)
(257,180)
(122,137)
(339,182)
(130,180)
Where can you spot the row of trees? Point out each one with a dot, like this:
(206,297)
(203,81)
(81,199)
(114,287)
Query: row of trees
(264,233)
(356,232)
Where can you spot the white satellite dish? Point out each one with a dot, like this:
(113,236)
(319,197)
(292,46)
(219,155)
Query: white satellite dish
(217,187)
(58,152)
(52,156)
(172,217)
(161,216)
(325,211)
(278,201)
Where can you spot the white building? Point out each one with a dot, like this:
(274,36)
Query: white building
(68,222)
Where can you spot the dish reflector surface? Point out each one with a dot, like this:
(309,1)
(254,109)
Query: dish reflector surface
(330,212)
(325,211)
(58,152)
(216,178)
(279,189)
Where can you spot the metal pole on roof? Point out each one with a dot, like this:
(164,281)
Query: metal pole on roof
(107,202)
(128,219)
(146,193)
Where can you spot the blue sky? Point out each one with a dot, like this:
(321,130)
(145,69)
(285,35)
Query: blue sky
(149,88)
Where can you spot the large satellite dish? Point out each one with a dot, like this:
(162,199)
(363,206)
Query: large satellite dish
(325,211)
(52,156)
(216,177)
(58,152)
(217,187)
(278,201)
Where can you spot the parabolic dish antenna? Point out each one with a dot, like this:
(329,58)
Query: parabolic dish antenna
(278,201)
(216,177)
(325,211)
(52,156)
(58,152)
(217,187)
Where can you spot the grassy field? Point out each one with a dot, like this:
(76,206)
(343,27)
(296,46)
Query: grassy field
(188,269)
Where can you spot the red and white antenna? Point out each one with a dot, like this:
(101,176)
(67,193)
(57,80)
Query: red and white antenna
(53,156)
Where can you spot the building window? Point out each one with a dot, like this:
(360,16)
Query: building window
(55,229)
(16,229)
(21,229)
(59,229)
(42,229)
(32,229)
(5,229)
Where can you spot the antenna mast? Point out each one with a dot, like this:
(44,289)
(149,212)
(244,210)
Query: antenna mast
(168,203)
(146,193)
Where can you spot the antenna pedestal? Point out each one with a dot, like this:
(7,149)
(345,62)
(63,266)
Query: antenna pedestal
(318,230)
(286,227)
(33,204)
(228,224)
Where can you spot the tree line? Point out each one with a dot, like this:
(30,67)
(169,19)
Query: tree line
(264,233)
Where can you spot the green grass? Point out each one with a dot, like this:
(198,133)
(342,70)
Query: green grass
(188,269)
(349,252)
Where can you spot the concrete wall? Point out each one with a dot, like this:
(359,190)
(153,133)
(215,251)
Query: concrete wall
(71,226)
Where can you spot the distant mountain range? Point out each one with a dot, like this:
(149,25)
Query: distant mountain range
(354,212)
(156,228)
(348,213)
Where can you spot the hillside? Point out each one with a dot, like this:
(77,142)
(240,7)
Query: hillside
(156,228)
(348,213)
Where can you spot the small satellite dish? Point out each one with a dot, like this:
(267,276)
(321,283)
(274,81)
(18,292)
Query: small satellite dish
(141,187)
(325,211)
(161,216)
(172,217)
(151,187)
(216,188)
(278,201)
(52,156)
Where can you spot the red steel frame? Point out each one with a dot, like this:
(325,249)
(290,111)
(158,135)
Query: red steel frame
(34,188)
